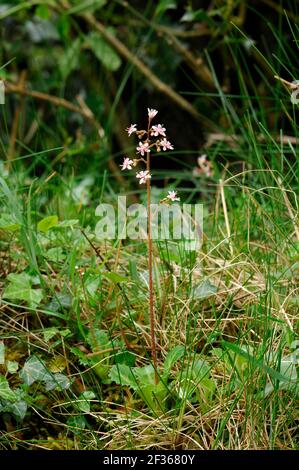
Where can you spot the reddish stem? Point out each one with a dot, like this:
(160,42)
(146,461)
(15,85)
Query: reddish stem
(150,265)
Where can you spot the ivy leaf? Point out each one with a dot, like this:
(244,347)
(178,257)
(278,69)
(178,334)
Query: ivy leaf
(48,222)
(205,289)
(33,370)
(105,53)
(12,366)
(5,391)
(20,288)
(56,382)
(18,408)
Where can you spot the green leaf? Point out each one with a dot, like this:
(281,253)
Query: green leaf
(63,25)
(83,358)
(125,357)
(48,222)
(194,379)
(172,357)
(43,12)
(33,370)
(49,333)
(98,340)
(154,396)
(103,51)
(165,5)
(92,285)
(200,369)
(8,223)
(122,374)
(5,391)
(19,288)
(288,370)
(56,254)
(70,59)
(12,367)
(256,362)
(78,422)
(207,389)
(145,375)
(115,277)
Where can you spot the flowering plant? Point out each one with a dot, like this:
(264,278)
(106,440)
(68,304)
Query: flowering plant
(153,138)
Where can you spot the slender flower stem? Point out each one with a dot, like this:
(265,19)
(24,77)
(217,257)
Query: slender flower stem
(150,266)
(145,145)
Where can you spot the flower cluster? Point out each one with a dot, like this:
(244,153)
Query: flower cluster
(145,145)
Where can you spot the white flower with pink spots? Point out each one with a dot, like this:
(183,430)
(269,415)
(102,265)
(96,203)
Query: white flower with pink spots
(152,113)
(131,129)
(143,176)
(127,164)
(158,130)
(143,148)
(166,145)
(172,196)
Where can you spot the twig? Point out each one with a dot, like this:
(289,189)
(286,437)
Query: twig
(15,88)
(61,102)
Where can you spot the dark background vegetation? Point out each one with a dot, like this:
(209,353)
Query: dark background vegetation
(200,51)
